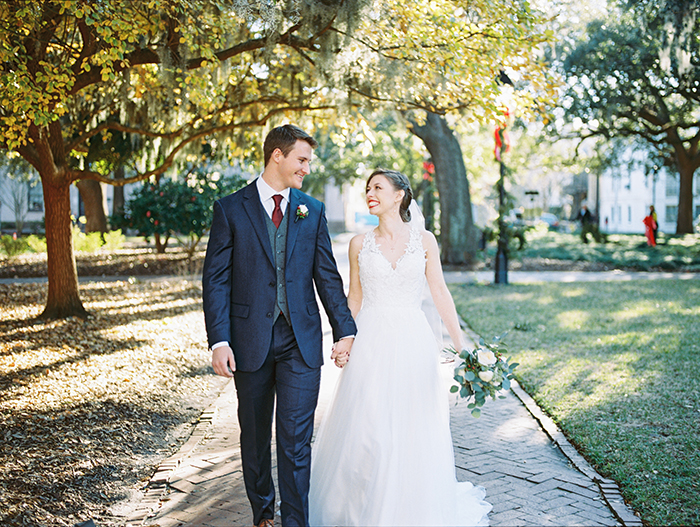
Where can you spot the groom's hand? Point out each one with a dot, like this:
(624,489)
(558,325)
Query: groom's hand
(223,362)
(341,351)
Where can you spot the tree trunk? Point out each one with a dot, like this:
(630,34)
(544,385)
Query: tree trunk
(687,161)
(161,242)
(118,193)
(684,223)
(63,298)
(457,234)
(91,192)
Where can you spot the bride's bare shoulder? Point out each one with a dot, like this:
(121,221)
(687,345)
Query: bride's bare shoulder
(428,238)
(356,243)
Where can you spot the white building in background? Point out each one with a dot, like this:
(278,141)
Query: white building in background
(29,199)
(624,194)
(345,207)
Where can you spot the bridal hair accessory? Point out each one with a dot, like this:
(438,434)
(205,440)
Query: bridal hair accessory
(302,212)
(482,372)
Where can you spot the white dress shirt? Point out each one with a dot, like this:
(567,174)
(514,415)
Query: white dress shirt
(266,192)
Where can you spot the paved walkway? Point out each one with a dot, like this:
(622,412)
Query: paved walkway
(518,459)
(532,475)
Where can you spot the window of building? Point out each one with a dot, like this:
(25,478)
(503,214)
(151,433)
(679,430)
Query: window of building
(671,213)
(629,214)
(697,211)
(673,185)
(35,201)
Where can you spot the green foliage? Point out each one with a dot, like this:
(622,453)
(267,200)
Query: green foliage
(617,365)
(13,247)
(179,208)
(87,243)
(635,75)
(350,151)
(482,372)
(86,84)
(625,251)
(113,240)
(36,243)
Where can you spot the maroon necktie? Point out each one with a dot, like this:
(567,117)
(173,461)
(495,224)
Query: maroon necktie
(277,212)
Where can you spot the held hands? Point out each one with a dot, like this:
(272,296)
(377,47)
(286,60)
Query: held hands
(341,351)
(223,362)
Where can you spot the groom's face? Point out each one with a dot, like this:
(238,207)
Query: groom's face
(295,166)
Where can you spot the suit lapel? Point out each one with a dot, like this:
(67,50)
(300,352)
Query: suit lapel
(256,213)
(293,225)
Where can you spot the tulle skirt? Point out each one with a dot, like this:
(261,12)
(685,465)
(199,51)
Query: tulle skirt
(383,454)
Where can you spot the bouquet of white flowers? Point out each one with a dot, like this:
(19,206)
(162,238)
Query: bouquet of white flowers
(482,372)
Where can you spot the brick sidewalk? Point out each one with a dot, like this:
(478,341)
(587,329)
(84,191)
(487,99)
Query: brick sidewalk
(527,476)
(532,475)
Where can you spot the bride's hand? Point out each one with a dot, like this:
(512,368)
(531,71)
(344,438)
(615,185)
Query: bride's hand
(341,352)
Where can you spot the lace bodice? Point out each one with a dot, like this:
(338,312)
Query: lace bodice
(386,286)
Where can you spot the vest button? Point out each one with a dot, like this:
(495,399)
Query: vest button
(269,315)
(272,284)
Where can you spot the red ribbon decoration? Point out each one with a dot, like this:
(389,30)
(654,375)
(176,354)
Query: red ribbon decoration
(501,136)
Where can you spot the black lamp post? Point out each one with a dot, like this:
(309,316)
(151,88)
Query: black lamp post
(501,265)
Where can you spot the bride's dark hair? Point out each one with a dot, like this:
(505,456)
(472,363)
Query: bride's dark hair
(399,182)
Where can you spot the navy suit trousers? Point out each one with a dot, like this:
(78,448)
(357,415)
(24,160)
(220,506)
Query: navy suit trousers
(284,374)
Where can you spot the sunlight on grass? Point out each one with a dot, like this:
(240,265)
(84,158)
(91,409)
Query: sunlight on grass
(572,319)
(632,312)
(617,365)
(622,250)
(544,300)
(574,293)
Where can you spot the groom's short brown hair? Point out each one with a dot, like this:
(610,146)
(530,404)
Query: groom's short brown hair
(285,137)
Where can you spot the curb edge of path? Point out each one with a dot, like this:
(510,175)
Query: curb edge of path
(608,487)
(157,485)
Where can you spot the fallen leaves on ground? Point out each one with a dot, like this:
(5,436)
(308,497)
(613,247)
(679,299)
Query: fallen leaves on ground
(88,408)
(139,261)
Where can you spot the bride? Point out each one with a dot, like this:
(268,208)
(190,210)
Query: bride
(383,454)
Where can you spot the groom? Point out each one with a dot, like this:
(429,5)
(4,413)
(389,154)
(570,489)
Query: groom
(268,246)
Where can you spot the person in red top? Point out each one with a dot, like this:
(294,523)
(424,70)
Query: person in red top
(650,228)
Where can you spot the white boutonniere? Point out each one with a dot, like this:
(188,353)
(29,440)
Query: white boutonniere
(302,212)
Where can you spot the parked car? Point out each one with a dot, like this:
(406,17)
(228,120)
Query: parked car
(550,219)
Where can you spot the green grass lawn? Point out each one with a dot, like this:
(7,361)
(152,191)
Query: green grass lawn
(622,250)
(616,365)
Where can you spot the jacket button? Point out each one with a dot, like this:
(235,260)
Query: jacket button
(269,315)
(272,284)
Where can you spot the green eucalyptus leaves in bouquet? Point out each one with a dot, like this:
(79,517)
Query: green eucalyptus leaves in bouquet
(482,372)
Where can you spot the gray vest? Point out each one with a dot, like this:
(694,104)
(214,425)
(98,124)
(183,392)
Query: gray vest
(278,242)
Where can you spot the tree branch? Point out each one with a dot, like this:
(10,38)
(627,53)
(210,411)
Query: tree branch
(115,125)
(414,105)
(169,160)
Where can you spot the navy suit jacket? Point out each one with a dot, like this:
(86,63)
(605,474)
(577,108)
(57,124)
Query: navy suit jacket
(239,279)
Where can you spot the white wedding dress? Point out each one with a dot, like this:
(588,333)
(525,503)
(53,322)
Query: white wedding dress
(383,454)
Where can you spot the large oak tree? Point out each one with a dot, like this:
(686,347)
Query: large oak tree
(636,74)
(443,57)
(170,72)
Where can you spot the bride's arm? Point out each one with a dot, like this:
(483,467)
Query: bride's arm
(438,289)
(355,291)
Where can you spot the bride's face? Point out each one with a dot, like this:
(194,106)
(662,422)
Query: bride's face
(381,195)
